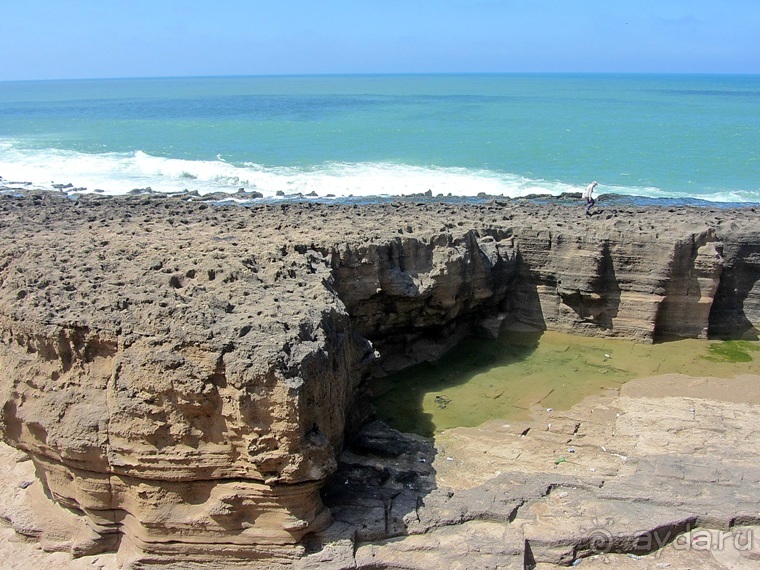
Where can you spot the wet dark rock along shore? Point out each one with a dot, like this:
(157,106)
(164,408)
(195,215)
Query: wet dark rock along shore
(184,376)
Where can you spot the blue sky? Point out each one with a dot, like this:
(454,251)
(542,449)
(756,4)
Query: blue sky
(52,39)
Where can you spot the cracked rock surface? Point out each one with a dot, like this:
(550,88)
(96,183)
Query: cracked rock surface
(658,476)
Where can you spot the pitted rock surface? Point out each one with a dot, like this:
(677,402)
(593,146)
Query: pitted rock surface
(184,375)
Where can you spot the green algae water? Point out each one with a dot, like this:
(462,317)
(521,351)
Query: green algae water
(506,378)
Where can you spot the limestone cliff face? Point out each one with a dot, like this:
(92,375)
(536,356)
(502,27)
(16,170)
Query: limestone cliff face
(737,300)
(183,375)
(165,391)
(414,297)
(620,280)
(626,281)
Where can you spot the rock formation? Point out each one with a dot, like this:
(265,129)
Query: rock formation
(613,479)
(184,375)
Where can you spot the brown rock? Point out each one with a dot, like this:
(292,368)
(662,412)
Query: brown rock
(183,375)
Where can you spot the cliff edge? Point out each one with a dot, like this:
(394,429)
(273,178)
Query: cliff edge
(183,375)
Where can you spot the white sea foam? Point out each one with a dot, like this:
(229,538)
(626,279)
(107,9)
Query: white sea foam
(118,173)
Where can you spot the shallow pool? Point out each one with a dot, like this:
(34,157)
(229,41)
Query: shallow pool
(481,380)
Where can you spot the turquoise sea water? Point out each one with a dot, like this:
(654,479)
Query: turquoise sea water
(677,136)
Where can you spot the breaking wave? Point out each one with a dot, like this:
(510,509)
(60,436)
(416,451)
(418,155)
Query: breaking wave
(119,173)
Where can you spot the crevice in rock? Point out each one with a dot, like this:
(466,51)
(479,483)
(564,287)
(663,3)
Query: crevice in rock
(529,560)
(731,312)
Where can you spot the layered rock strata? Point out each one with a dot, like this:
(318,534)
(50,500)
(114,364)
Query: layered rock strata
(183,375)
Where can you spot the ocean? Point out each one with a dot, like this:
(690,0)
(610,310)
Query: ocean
(683,137)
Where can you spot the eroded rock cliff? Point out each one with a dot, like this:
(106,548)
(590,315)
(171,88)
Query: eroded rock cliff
(183,375)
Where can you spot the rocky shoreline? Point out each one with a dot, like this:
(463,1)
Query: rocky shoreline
(185,377)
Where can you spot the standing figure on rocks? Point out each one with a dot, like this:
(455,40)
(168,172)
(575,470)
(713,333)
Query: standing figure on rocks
(587,194)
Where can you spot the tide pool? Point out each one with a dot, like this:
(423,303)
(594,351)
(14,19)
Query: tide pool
(507,378)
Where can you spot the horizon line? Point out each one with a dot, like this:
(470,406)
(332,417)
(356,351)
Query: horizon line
(385,74)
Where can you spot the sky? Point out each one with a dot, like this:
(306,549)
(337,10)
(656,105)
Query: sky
(57,39)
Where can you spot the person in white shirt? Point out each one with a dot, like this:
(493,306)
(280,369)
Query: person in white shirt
(588,195)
